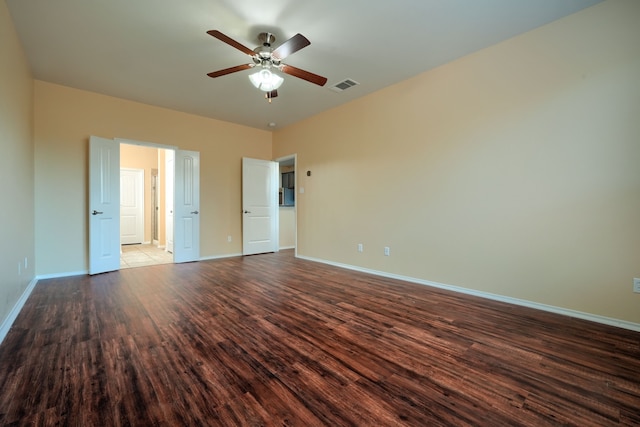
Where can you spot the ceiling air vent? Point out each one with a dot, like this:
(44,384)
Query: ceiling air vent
(344,85)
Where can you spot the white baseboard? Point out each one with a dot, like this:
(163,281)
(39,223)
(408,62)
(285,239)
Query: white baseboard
(13,314)
(282,248)
(67,274)
(219,257)
(516,301)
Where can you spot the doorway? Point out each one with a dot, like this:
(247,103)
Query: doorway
(104,202)
(149,246)
(180,217)
(288,210)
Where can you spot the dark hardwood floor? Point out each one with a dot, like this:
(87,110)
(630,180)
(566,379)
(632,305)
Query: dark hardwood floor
(276,341)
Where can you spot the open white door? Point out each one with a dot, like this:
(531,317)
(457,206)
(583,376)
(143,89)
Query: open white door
(169,185)
(104,205)
(259,206)
(131,206)
(187,206)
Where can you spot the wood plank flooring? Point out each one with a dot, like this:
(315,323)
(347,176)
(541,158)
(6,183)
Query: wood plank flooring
(271,340)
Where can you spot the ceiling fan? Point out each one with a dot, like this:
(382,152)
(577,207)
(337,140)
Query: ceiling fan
(267,58)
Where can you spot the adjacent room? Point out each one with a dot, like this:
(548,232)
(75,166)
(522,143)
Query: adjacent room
(320,213)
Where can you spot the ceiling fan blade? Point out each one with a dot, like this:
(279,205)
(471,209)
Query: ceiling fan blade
(230,70)
(231,42)
(292,45)
(305,75)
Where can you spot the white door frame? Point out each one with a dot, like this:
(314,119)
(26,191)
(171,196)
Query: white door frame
(190,249)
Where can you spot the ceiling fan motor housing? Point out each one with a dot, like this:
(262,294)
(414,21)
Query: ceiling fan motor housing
(266,38)
(264,56)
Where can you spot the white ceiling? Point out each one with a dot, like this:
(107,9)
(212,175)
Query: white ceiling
(157,51)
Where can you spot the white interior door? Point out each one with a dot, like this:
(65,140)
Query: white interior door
(259,206)
(169,186)
(187,206)
(104,205)
(131,206)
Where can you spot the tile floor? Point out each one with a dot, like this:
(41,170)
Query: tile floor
(143,255)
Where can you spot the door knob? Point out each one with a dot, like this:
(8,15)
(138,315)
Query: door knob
(247,212)
(195,212)
(95,212)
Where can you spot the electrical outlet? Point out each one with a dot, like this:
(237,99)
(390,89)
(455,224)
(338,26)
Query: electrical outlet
(636,285)
(360,247)
(387,251)
(229,239)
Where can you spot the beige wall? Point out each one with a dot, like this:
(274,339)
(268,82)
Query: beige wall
(513,171)
(287,227)
(145,158)
(16,168)
(64,120)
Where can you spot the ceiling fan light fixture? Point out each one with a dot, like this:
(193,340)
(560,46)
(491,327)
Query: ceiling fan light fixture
(265,80)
